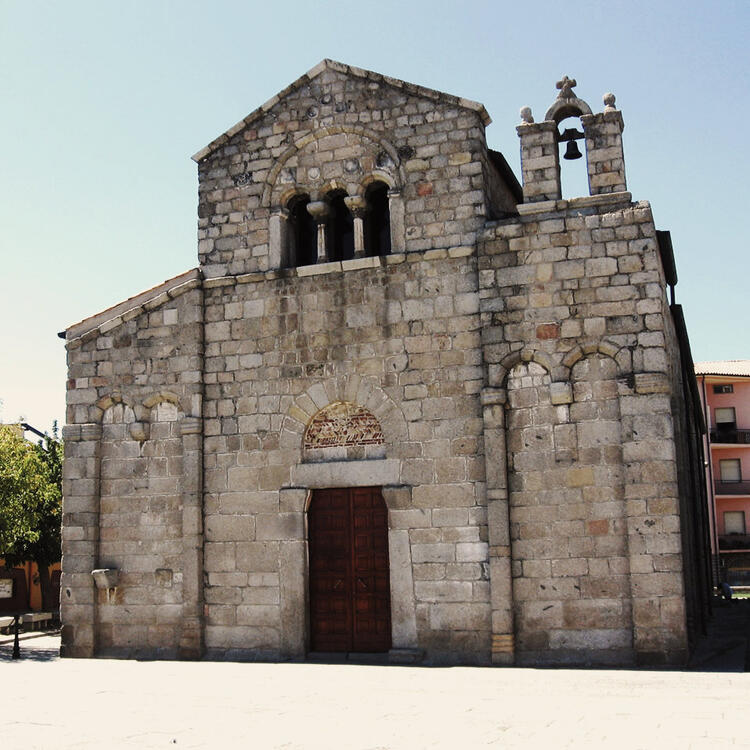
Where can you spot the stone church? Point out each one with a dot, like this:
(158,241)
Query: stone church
(404,404)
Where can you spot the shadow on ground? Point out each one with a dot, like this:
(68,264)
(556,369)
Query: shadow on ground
(724,647)
(43,646)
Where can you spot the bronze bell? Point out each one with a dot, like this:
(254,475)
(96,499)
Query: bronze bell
(572,152)
(571,135)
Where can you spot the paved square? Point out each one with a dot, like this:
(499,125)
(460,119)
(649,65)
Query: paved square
(54,703)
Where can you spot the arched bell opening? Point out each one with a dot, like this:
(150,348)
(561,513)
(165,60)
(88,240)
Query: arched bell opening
(566,112)
(377,221)
(340,236)
(301,233)
(574,179)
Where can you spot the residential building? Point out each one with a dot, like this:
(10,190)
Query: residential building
(725,397)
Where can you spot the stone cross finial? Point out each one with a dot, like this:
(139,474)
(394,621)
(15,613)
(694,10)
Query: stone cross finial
(566,88)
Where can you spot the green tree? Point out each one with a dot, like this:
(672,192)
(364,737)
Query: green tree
(31,502)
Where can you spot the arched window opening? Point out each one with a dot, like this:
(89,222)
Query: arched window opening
(377,222)
(340,235)
(302,233)
(572,157)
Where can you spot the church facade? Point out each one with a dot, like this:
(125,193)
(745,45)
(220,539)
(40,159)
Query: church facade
(404,405)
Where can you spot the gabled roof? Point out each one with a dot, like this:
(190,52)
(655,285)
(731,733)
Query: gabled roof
(133,306)
(350,70)
(728,367)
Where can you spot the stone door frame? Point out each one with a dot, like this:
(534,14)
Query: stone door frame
(294,562)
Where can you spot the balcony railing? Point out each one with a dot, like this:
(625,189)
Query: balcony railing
(741,437)
(734,541)
(725,487)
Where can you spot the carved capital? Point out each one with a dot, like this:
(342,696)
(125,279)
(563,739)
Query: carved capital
(319,210)
(356,205)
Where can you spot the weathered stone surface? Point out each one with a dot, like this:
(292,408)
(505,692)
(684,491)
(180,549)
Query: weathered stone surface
(505,374)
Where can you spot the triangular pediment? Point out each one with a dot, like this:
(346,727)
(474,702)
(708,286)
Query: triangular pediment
(347,70)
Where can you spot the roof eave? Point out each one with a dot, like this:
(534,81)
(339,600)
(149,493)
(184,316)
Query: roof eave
(111,314)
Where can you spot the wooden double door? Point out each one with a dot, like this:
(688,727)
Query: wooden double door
(350,601)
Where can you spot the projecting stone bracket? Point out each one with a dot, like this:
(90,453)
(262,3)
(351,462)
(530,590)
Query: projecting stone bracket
(107,579)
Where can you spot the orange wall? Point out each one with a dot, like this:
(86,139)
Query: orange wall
(35,593)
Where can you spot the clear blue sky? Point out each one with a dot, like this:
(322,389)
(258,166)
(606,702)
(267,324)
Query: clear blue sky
(102,104)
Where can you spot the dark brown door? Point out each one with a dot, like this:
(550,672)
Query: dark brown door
(350,602)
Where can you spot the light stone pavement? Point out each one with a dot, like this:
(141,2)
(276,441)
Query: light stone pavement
(54,704)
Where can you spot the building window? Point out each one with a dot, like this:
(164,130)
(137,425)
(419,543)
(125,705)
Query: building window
(340,235)
(726,424)
(734,521)
(730,470)
(377,222)
(301,233)
(724,388)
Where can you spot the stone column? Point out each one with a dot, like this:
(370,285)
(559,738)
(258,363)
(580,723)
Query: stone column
(398,226)
(358,208)
(540,161)
(80,543)
(293,576)
(606,165)
(321,212)
(191,637)
(278,245)
(498,522)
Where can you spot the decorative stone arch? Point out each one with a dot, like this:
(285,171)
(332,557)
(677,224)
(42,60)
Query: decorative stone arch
(112,399)
(149,412)
(273,188)
(343,430)
(354,389)
(282,184)
(331,186)
(376,175)
(288,194)
(156,398)
(524,356)
(567,107)
(621,355)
